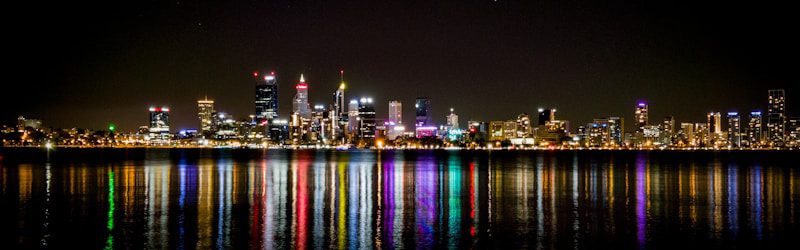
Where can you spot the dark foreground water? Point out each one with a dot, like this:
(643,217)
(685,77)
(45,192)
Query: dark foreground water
(137,198)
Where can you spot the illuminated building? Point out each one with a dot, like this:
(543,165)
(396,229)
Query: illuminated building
(701,134)
(546,115)
(422,107)
(523,126)
(616,128)
(424,126)
(367,121)
(714,123)
(641,116)
(205,112)
(509,129)
(340,115)
(159,124)
(352,116)
(667,130)
(776,117)
(686,133)
(300,103)
(734,130)
(754,129)
(395,112)
(793,132)
(394,125)
(266,98)
(496,130)
(452,120)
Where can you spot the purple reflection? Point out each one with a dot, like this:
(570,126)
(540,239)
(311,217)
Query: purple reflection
(389,198)
(641,222)
(426,202)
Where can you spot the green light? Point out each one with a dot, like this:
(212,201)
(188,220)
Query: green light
(112,127)
(110,223)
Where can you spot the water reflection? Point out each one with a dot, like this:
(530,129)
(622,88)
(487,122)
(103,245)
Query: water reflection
(400,199)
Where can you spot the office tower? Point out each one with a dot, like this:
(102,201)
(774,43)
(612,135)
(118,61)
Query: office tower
(205,111)
(701,134)
(523,125)
(616,128)
(452,120)
(300,103)
(352,117)
(159,123)
(423,112)
(714,123)
(641,116)
(496,130)
(734,130)
(509,129)
(776,117)
(395,112)
(339,105)
(367,121)
(546,115)
(687,133)
(266,98)
(667,130)
(754,129)
(793,132)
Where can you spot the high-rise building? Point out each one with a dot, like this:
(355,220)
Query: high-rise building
(754,129)
(776,117)
(300,103)
(339,105)
(667,130)
(616,127)
(395,112)
(734,130)
(641,116)
(687,133)
(546,115)
(352,117)
(793,132)
(524,126)
(367,121)
(159,123)
(205,112)
(422,107)
(266,98)
(714,125)
(452,120)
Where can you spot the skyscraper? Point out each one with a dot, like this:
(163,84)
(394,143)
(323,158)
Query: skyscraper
(159,123)
(616,129)
(776,117)
(452,119)
(266,98)
(352,117)
(205,112)
(734,130)
(395,111)
(641,116)
(423,111)
(523,125)
(300,103)
(714,125)
(367,121)
(754,129)
(546,115)
(339,105)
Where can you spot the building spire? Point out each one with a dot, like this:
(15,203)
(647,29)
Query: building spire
(302,79)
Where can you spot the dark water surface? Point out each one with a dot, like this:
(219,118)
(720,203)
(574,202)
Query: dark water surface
(192,198)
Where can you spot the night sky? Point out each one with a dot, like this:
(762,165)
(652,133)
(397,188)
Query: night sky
(88,64)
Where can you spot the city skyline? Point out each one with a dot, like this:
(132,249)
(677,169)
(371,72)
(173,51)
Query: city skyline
(488,60)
